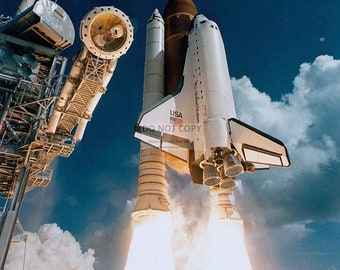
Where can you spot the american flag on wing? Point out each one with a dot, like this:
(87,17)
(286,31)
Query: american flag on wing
(176,121)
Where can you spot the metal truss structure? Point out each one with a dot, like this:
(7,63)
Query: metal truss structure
(43,112)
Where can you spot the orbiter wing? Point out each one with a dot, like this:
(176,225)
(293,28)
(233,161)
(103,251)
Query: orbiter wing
(256,146)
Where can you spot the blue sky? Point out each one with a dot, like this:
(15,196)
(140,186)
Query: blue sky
(283,60)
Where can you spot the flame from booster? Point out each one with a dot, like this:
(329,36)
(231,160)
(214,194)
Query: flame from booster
(226,232)
(151,244)
(214,244)
(227,247)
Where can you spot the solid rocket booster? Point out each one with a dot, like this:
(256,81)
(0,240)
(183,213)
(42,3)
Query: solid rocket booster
(154,60)
(152,185)
(164,63)
(221,203)
(178,15)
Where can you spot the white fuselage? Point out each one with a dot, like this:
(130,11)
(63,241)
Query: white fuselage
(213,98)
(198,124)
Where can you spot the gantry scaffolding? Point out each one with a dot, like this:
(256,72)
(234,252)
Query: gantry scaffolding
(43,112)
(25,106)
(31,78)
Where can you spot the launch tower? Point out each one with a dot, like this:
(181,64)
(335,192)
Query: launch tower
(43,112)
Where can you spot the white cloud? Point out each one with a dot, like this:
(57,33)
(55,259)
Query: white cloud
(282,202)
(293,232)
(49,248)
(299,118)
(134,159)
(189,206)
(111,241)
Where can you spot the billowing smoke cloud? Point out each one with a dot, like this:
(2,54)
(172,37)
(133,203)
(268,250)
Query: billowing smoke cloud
(288,201)
(189,206)
(49,248)
(111,242)
(307,121)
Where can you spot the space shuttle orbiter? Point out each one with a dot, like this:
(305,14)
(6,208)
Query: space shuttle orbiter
(197,122)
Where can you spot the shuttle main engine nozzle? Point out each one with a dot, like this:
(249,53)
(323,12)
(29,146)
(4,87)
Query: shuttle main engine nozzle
(106,32)
(221,168)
